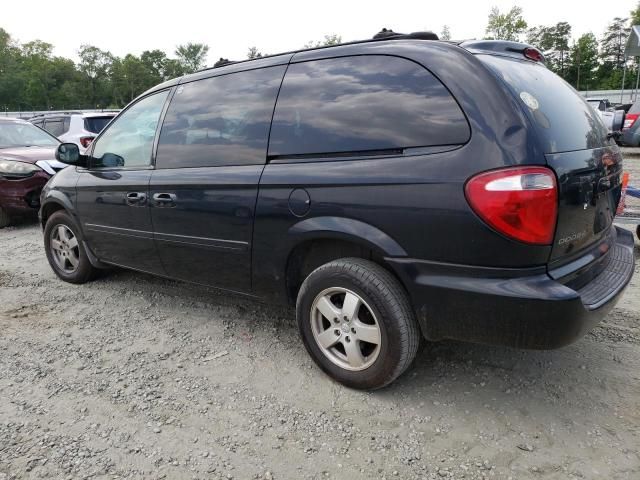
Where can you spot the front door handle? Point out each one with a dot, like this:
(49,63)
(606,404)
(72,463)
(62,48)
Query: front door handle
(164,199)
(136,198)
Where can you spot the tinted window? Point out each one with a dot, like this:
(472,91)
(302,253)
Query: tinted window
(363,103)
(96,124)
(561,116)
(55,126)
(128,141)
(221,120)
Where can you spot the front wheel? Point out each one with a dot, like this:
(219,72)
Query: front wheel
(357,323)
(65,251)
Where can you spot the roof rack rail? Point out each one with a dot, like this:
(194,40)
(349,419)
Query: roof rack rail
(384,34)
(48,114)
(222,62)
(388,34)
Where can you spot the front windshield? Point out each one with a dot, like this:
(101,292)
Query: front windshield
(19,134)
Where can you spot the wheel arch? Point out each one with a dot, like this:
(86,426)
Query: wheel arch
(319,240)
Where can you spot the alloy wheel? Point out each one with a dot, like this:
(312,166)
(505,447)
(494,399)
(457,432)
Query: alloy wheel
(345,328)
(65,249)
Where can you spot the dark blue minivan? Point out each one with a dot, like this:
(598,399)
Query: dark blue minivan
(392,190)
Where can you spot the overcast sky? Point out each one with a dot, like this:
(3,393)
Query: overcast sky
(231,27)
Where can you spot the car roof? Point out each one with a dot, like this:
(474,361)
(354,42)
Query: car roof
(100,114)
(105,113)
(12,120)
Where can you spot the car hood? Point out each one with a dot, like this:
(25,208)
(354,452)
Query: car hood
(28,154)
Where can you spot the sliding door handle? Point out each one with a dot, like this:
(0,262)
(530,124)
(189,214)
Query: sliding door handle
(136,199)
(164,199)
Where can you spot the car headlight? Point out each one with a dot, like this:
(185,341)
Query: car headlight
(14,169)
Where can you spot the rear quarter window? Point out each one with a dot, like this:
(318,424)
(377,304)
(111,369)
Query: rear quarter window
(363,103)
(562,118)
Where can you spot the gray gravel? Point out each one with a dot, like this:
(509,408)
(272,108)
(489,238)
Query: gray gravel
(132,376)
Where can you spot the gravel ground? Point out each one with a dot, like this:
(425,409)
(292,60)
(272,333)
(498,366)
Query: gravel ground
(133,376)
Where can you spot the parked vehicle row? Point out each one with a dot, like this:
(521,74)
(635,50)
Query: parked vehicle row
(607,112)
(74,127)
(391,189)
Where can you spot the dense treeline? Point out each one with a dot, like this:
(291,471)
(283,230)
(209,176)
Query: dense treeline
(588,62)
(32,78)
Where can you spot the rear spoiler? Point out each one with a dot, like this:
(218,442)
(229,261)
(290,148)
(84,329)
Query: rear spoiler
(505,48)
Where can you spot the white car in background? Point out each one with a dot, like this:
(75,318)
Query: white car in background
(604,108)
(74,127)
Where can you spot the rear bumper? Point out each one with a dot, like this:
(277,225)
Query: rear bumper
(522,308)
(20,197)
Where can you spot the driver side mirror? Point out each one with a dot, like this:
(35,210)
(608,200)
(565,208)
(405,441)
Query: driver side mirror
(69,153)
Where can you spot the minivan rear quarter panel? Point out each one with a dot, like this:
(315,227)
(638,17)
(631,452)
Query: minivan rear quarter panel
(417,199)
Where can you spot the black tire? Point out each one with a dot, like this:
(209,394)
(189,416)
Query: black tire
(389,303)
(638,232)
(5,220)
(84,271)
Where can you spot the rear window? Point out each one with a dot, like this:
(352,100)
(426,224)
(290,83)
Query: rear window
(563,120)
(96,124)
(363,103)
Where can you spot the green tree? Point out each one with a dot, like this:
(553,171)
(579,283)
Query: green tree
(634,17)
(154,63)
(192,56)
(253,53)
(505,26)
(613,42)
(583,63)
(11,75)
(445,34)
(554,42)
(173,68)
(96,66)
(612,57)
(327,41)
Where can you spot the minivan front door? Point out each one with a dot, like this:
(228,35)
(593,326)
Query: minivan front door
(113,193)
(211,152)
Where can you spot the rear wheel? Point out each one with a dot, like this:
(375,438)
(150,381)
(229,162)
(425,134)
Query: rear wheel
(5,220)
(638,232)
(357,323)
(65,251)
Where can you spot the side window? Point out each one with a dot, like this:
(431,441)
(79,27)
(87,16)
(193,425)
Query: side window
(67,124)
(55,126)
(221,120)
(128,142)
(363,103)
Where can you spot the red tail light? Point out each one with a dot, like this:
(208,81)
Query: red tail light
(86,141)
(629,120)
(520,202)
(534,54)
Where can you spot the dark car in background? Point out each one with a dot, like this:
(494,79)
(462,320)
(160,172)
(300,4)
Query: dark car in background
(27,161)
(631,126)
(390,189)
